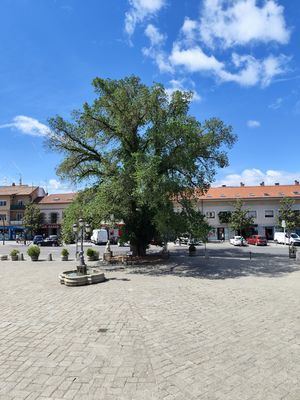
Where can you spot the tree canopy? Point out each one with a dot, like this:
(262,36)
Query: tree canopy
(287,214)
(240,219)
(140,150)
(32,218)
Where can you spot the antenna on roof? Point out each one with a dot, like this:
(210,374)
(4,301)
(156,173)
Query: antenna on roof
(20,180)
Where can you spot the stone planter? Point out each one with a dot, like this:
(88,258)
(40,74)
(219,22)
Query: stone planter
(64,258)
(90,258)
(34,258)
(14,258)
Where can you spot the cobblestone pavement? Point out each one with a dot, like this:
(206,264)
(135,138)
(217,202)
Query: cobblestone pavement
(156,336)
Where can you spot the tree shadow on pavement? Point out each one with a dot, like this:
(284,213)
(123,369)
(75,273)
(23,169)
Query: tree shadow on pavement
(222,264)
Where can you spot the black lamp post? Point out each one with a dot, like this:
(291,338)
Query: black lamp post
(79,229)
(3,232)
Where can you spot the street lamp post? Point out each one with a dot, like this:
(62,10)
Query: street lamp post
(79,229)
(3,232)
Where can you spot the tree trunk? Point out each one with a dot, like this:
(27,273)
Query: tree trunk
(138,249)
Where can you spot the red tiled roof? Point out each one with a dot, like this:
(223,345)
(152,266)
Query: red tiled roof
(17,190)
(251,192)
(61,198)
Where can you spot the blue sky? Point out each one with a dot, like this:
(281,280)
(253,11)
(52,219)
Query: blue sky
(240,57)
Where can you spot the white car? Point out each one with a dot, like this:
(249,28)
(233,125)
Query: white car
(237,241)
(284,238)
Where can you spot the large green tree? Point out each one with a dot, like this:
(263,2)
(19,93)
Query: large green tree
(32,218)
(140,150)
(287,214)
(240,219)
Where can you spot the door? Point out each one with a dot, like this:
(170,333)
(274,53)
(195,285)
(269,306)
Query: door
(221,233)
(269,233)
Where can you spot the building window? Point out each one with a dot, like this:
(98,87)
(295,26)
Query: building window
(20,203)
(2,217)
(252,214)
(53,218)
(2,203)
(269,214)
(210,214)
(19,217)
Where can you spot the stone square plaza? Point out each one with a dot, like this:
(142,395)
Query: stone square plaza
(222,328)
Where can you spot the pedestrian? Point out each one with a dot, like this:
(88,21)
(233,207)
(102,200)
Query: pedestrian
(222,237)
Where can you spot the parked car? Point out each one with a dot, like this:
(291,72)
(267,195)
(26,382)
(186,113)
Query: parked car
(284,238)
(237,241)
(257,240)
(52,240)
(38,239)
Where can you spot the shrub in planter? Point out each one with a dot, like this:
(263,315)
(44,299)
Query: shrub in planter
(91,253)
(96,255)
(34,252)
(14,254)
(64,254)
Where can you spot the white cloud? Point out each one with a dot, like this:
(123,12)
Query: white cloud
(189,30)
(27,126)
(251,71)
(253,123)
(225,24)
(139,11)
(156,38)
(244,70)
(194,59)
(276,104)
(255,176)
(183,85)
(240,22)
(155,51)
(55,186)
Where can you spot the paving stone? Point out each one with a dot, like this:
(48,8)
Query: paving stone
(148,335)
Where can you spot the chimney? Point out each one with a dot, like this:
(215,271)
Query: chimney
(242,184)
(13,184)
(276,183)
(262,184)
(297,183)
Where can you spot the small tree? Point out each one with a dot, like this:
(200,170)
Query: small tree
(224,217)
(287,214)
(32,219)
(240,220)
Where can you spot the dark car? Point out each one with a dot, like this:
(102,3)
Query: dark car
(38,239)
(257,240)
(52,240)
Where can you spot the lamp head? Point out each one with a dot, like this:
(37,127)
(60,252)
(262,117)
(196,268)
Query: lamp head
(87,228)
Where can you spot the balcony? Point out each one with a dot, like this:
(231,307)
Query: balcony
(17,206)
(19,223)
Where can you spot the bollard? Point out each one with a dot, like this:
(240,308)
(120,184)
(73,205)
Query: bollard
(21,257)
(49,257)
(250,255)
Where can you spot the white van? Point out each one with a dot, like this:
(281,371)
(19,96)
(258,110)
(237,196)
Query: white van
(99,236)
(284,238)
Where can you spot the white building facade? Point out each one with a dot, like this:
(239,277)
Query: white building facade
(263,203)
